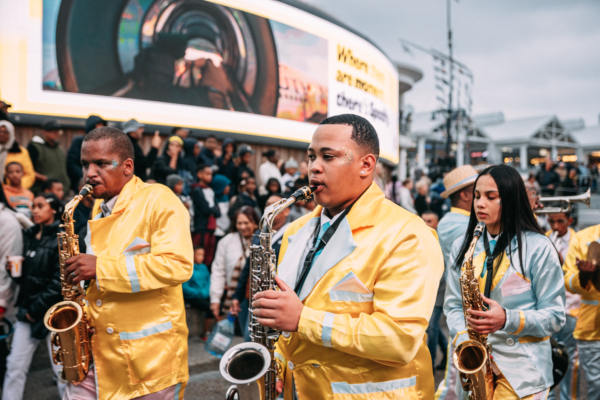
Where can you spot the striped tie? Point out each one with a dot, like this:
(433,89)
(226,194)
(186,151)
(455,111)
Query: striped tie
(321,233)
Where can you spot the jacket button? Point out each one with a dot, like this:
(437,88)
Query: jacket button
(109,330)
(510,341)
(291,365)
(286,334)
(99,303)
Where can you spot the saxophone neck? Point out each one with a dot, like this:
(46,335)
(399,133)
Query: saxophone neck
(266,222)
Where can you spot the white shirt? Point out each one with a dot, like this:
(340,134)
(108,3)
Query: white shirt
(107,206)
(266,171)
(324,219)
(572,301)
(228,254)
(561,243)
(406,200)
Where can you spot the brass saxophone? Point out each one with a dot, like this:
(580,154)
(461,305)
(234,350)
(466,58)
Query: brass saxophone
(472,357)
(255,361)
(66,320)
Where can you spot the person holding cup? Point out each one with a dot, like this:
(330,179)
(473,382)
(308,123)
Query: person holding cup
(40,288)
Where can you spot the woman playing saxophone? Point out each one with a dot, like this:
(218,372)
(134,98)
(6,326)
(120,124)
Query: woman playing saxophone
(521,284)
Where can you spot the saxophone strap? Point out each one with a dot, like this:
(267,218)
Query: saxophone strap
(319,245)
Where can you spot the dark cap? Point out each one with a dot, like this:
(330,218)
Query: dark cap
(51,125)
(269,153)
(245,149)
(5,104)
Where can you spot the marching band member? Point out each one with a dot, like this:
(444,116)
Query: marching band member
(138,255)
(578,272)
(459,188)
(520,272)
(354,305)
(561,235)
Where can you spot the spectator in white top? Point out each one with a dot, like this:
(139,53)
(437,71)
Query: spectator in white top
(269,169)
(230,258)
(406,199)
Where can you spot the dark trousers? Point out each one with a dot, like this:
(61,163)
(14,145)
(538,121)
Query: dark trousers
(201,305)
(435,335)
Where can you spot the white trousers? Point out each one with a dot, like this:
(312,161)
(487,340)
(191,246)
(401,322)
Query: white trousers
(18,362)
(86,390)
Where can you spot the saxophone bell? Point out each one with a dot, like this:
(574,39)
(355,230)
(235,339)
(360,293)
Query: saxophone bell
(252,366)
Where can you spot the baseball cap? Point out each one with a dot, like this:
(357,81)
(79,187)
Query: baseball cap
(131,126)
(51,125)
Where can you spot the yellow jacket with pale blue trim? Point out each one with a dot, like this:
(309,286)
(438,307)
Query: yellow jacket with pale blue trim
(368,299)
(135,304)
(588,321)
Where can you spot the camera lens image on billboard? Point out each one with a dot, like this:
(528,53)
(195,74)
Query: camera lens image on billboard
(190,52)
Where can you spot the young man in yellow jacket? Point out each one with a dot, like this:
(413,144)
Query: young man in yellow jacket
(578,273)
(354,310)
(138,255)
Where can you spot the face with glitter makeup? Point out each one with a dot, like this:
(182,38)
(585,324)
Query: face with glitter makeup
(338,167)
(348,157)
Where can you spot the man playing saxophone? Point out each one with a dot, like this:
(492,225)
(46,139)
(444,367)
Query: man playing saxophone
(358,279)
(137,257)
(520,279)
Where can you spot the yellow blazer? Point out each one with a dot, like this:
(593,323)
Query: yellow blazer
(588,322)
(136,302)
(368,299)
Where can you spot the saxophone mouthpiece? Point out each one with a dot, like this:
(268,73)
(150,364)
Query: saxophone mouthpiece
(479,229)
(86,190)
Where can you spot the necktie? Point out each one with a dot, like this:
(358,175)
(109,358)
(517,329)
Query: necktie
(492,247)
(319,237)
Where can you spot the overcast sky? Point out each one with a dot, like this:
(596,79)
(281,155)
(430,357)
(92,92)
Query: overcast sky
(529,57)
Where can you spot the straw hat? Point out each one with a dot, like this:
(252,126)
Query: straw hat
(459,178)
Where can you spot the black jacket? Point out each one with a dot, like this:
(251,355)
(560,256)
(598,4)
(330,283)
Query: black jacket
(202,211)
(74,169)
(227,168)
(40,282)
(142,162)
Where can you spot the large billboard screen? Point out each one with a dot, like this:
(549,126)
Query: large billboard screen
(259,67)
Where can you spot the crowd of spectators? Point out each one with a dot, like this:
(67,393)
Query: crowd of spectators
(215,182)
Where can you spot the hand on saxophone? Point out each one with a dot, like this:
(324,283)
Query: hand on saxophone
(81,268)
(280,310)
(489,321)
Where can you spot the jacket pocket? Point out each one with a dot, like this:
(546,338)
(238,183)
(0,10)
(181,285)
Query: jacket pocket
(397,389)
(149,352)
(515,284)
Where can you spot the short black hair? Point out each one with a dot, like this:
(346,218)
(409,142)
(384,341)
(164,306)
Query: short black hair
(48,184)
(13,163)
(455,197)
(121,144)
(201,167)
(363,133)
(211,137)
(54,203)
(174,130)
(429,212)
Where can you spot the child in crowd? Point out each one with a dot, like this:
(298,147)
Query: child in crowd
(55,187)
(18,197)
(221,187)
(206,212)
(175,183)
(196,291)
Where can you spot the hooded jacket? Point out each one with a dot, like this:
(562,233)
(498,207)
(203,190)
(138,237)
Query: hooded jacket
(227,168)
(144,253)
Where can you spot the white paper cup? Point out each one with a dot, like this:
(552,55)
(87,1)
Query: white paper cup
(16,265)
